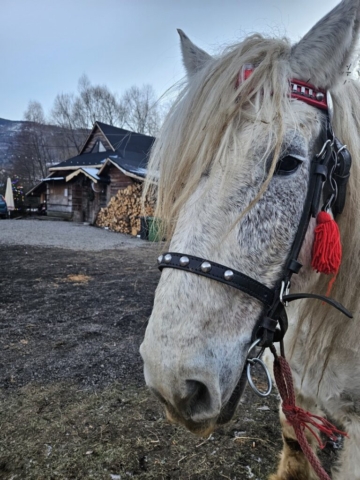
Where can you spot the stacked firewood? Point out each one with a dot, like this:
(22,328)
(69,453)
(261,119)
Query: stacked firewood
(124,211)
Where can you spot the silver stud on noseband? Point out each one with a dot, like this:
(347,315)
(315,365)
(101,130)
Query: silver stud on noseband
(205,267)
(167,258)
(184,261)
(320,96)
(229,275)
(160,259)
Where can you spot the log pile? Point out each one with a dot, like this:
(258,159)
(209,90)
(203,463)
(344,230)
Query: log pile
(124,209)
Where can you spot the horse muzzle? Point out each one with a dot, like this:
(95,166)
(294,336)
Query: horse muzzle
(196,404)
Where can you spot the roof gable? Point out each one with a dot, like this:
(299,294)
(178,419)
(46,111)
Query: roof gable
(95,137)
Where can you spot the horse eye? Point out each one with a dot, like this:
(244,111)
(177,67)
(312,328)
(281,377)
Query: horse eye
(287,165)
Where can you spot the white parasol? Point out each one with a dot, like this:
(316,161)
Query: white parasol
(9,197)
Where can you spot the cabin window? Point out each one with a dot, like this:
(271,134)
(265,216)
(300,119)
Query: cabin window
(98,147)
(65,192)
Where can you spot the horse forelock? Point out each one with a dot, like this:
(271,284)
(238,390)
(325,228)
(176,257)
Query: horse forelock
(205,121)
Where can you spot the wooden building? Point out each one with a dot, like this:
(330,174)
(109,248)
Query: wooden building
(111,159)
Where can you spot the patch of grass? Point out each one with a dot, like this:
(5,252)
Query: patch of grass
(60,432)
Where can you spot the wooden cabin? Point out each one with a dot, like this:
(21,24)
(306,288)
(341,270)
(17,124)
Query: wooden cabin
(111,159)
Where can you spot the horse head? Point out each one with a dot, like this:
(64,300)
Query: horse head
(231,171)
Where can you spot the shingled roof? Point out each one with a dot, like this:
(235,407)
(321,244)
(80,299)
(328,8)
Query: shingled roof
(124,141)
(86,159)
(130,151)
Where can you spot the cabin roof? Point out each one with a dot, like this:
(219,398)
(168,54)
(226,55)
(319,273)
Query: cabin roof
(131,151)
(124,140)
(86,159)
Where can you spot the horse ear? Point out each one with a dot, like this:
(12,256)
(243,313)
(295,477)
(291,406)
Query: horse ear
(325,51)
(193,57)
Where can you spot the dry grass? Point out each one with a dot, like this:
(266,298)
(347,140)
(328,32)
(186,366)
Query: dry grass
(78,278)
(60,432)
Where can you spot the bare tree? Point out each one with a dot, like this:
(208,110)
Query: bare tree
(34,112)
(93,103)
(33,154)
(97,103)
(37,146)
(76,114)
(64,114)
(142,110)
(136,110)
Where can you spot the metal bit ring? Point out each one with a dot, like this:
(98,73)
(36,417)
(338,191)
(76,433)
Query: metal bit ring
(251,382)
(253,361)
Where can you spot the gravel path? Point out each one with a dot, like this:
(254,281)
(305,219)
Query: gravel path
(76,236)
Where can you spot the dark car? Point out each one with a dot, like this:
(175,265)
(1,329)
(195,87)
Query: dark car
(3,207)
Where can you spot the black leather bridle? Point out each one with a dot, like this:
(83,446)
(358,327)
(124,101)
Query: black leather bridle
(329,174)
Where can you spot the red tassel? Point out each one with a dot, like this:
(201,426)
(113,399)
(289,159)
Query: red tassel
(327,251)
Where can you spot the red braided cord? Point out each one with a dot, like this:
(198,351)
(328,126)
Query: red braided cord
(299,418)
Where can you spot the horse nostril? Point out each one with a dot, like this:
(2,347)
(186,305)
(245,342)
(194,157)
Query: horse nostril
(198,399)
(193,402)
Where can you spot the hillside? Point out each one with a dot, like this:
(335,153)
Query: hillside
(16,139)
(9,131)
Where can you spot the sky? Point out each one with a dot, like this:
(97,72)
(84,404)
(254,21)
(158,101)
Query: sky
(46,45)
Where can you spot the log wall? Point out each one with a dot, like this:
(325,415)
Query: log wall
(118,181)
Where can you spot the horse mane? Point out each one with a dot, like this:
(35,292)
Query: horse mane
(324,326)
(204,122)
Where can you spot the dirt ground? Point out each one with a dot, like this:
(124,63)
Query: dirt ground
(73,400)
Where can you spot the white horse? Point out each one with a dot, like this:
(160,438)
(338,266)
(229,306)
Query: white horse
(233,163)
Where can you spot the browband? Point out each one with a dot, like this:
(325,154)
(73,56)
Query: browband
(304,91)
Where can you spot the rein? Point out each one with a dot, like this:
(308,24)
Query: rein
(328,177)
